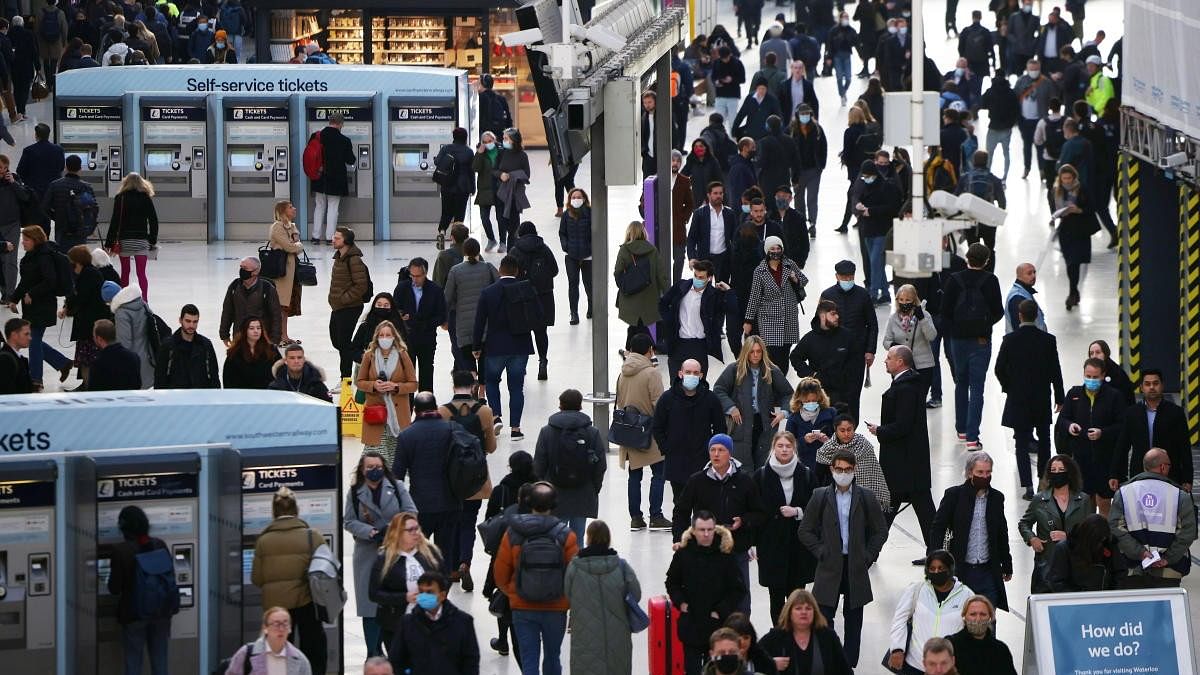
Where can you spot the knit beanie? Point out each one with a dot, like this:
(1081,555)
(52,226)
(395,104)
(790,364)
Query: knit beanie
(109,290)
(772,241)
(722,439)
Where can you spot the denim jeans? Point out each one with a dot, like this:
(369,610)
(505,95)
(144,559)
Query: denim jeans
(578,525)
(728,107)
(935,387)
(1025,443)
(971,359)
(539,631)
(1003,138)
(841,66)
(39,351)
(496,366)
(979,578)
(139,636)
(879,285)
(657,486)
(466,531)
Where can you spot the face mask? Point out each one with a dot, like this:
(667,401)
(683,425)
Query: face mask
(959,72)
(1033,74)
(699,152)
(244,274)
(938,578)
(981,483)
(903,30)
(845,22)
(805,119)
(220,45)
(690,382)
(1059,479)
(375,475)
(892,30)
(977,628)
(846,285)
(745,208)
(1028,9)
(869,179)
(728,663)
(386,343)
(576,203)
(812,406)
(699,283)
(906,307)
(489,146)
(508,145)
(381,312)
(203,26)
(427,601)
(1091,383)
(843,479)
(775,255)
(781,204)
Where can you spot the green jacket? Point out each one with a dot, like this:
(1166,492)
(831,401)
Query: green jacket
(485,184)
(596,584)
(643,305)
(1099,90)
(1042,516)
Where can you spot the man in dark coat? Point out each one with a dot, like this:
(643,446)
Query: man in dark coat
(798,83)
(705,244)
(904,440)
(969,325)
(422,307)
(984,566)
(60,201)
(25,62)
(1154,422)
(1028,370)
(455,157)
(578,495)
(250,295)
(333,183)
(295,373)
(686,416)
(116,368)
(702,581)
(857,315)
(692,330)
(508,350)
(778,162)
(751,119)
(41,164)
(494,114)
(791,221)
(438,639)
(14,368)
(187,360)
(827,353)
(538,265)
(421,452)
(1088,429)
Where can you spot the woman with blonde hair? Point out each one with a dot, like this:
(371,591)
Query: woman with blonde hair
(1076,225)
(133,228)
(387,376)
(976,649)
(754,394)
(811,420)
(284,235)
(640,280)
(852,155)
(910,325)
(254,659)
(404,556)
(802,641)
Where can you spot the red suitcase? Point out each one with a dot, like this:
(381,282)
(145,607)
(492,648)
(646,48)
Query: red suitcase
(666,651)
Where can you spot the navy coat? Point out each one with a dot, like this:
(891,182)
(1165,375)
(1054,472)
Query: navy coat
(492,327)
(699,233)
(115,369)
(421,327)
(41,163)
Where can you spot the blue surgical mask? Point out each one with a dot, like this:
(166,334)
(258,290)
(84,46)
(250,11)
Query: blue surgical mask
(805,119)
(745,208)
(1028,9)
(220,45)
(1091,383)
(781,203)
(699,283)
(427,601)
(959,72)
(508,145)
(489,146)
(375,475)
(812,406)
(903,30)
(690,382)
(846,285)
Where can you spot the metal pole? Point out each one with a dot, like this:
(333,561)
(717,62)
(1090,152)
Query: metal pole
(917,33)
(662,158)
(600,265)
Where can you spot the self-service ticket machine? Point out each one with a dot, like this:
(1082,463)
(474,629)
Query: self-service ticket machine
(357,208)
(312,474)
(174,158)
(416,132)
(93,131)
(27,567)
(167,488)
(258,166)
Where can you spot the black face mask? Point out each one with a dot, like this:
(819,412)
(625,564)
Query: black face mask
(938,578)
(381,312)
(1059,479)
(244,275)
(906,307)
(775,255)
(728,663)
(980,483)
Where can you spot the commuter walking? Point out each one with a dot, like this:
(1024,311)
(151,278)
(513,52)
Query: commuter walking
(704,583)
(420,642)
(933,608)
(26,62)
(349,287)
(186,360)
(447,258)
(86,307)
(63,202)
(711,233)
(513,173)
(14,368)
(487,151)
(754,393)
(130,314)
(1076,225)
(494,114)
(728,74)
(509,497)
(639,386)
(470,411)
(867,471)
(598,582)
(382,309)
(1144,533)
(856,316)
(1088,428)
(826,353)
(285,236)
(686,416)
(422,451)
(13,195)
(452,173)
(464,286)
(144,610)
(811,421)
(250,295)
(249,358)
(133,228)
(332,182)
(401,555)
(1034,91)
(802,640)
(785,485)
(506,337)
(694,313)
(1004,113)
(771,309)
(640,280)
(812,148)
(970,307)
(972,513)
(977,651)
(705,166)
(52,37)
(373,500)
(295,373)
(388,378)
(912,327)
(272,644)
(282,553)
(1154,422)
(1055,510)
(41,164)
(1022,290)
(36,294)
(422,307)
(570,456)
(538,266)
(221,51)
(575,237)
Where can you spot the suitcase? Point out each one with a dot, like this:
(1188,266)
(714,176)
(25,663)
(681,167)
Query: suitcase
(666,651)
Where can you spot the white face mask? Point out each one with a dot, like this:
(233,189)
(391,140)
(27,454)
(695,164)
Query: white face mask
(576,203)
(843,479)
(386,342)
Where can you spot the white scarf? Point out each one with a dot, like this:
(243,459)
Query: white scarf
(809,417)
(384,367)
(785,473)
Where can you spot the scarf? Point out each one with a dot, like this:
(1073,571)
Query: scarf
(385,366)
(785,473)
(809,417)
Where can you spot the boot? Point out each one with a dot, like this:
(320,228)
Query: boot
(542,370)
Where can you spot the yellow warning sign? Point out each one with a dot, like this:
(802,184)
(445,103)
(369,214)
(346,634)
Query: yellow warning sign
(351,411)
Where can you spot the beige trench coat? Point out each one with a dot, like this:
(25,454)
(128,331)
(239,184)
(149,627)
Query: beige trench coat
(639,385)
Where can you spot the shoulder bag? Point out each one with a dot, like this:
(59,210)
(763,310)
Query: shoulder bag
(272,262)
(638,619)
(306,272)
(887,655)
(630,428)
(636,277)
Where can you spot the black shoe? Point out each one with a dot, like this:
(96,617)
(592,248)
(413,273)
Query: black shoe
(659,523)
(542,370)
(499,645)
(1027,495)
(841,230)
(812,231)
(637,523)
(464,578)
(1112,241)
(516,435)
(574,319)
(589,314)
(315,242)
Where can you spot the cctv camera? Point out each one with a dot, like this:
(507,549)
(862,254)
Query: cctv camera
(1173,160)
(522,38)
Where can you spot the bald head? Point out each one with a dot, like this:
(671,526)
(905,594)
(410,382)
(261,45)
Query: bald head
(423,402)
(899,359)
(1027,274)
(1157,461)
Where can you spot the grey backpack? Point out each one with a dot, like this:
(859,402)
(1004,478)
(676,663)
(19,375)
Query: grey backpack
(325,582)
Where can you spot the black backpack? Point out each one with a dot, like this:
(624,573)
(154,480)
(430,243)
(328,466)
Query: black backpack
(870,140)
(541,571)
(979,183)
(155,594)
(445,169)
(1054,137)
(468,420)
(466,464)
(536,269)
(49,27)
(975,46)
(523,307)
(572,459)
(971,314)
(157,333)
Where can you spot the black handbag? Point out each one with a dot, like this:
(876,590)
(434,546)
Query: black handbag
(272,262)
(630,428)
(636,277)
(306,272)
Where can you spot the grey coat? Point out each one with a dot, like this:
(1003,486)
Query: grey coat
(596,585)
(733,395)
(130,314)
(464,284)
(359,525)
(820,533)
(919,338)
(583,500)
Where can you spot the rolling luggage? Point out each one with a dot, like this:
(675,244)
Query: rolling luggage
(666,651)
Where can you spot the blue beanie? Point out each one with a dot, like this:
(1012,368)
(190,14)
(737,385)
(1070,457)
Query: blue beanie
(109,290)
(722,439)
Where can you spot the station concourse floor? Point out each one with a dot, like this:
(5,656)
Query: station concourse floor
(198,273)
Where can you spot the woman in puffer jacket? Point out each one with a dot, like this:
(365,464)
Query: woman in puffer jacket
(597,582)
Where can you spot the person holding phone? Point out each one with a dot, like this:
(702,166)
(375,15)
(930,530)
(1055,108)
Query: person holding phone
(802,641)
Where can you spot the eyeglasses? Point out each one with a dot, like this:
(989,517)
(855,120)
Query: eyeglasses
(279,624)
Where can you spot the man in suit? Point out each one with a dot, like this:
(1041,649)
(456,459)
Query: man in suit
(904,442)
(649,165)
(843,561)
(682,205)
(14,368)
(795,90)
(711,232)
(116,368)
(694,311)
(751,119)
(508,351)
(422,307)
(1153,423)
(41,164)
(978,538)
(1028,370)
(1088,428)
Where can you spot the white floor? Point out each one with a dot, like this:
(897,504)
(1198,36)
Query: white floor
(198,273)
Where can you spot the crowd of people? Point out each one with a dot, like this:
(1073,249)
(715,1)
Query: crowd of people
(765,458)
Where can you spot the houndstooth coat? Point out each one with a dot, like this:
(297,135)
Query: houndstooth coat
(773,307)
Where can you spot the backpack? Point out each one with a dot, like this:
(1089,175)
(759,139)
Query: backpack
(49,27)
(85,211)
(1054,137)
(230,19)
(445,169)
(468,420)
(541,571)
(870,140)
(971,315)
(536,270)
(157,333)
(325,581)
(314,157)
(498,111)
(155,595)
(940,175)
(370,292)
(572,460)
(979,183)
(975,46)
(466,464)
(523,307)
(64,274)
(225,663)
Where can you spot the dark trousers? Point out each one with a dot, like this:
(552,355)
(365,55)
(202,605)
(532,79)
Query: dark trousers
(485,219)
(852,636)
(720,263)
(853,393)
(980,578)
(454,209)
(422,356)
(21,84)
(456,354)
(1027,128)
(341,332)
(1026,444)
(541,342)
(307,628)
(1146,581)
(779,596)
(926,375)
(935,385)
(779,356)
(466,530)
(442,528)
(577,269)
(656,490)
(922,504)
(507,225)
(683,350)
(693,659)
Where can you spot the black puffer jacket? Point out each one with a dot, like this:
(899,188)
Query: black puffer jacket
(682,426)
(85,303)
(133,217)
(857,316)
(826,354)
(575,234)
(707,580)
(37,281)
(528,250)
(312,380)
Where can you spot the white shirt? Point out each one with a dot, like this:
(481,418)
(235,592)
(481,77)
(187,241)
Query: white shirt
(716,230)
(650,140)
(276,661)
(690,325)
(412,572)
(1051,50)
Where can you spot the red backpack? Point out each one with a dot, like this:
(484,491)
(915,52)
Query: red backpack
(314,157)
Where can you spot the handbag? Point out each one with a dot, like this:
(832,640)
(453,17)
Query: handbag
(498,606)
(272,262)
(887,655)
(376,413)
(638,619)
(38,89)
(630,428)
(306,272)
(636,277)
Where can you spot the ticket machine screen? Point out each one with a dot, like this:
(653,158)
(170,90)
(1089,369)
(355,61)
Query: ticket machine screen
(403,159)
(159,160)
(242,160)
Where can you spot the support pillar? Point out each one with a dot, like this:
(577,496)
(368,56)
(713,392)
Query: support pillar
(600,395)
(1129,273)
(663,131)
(1189,308)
